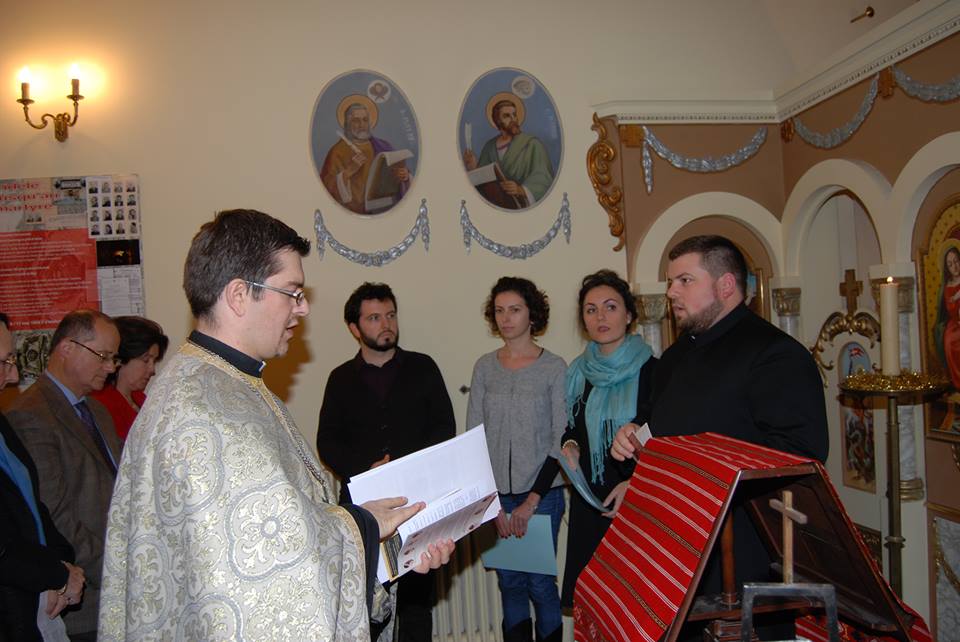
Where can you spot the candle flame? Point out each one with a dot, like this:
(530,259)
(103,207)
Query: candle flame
(74,71)
(25,74)
(889,279)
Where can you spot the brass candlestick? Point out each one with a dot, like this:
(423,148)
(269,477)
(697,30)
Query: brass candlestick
(904,387)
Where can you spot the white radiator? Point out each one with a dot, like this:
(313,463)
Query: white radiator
(468,600)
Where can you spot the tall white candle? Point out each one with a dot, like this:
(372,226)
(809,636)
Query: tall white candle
(889,328)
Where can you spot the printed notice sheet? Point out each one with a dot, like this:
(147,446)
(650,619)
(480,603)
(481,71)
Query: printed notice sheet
(455,480)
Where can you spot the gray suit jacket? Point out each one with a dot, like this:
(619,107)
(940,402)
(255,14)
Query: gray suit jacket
(75,482)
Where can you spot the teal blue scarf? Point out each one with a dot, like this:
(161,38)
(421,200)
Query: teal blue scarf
(613,400)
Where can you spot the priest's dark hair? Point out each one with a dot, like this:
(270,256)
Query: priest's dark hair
(236,244)
(718,255)
(366,292)
(610,279)
(536,301)
(78,325)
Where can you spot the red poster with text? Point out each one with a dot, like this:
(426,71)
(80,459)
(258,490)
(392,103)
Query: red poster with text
(45,274)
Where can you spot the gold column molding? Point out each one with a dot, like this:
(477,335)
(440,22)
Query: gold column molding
(599,157)
(911,490)
(786,301)
(905,286)
(651,308)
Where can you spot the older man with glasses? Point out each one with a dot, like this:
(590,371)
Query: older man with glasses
(71,438)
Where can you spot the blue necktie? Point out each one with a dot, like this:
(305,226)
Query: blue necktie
(91,425)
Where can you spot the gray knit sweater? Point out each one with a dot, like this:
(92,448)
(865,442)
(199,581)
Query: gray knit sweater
(524,414)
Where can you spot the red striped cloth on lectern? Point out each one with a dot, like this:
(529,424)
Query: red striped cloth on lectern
(665,522)
(678,489)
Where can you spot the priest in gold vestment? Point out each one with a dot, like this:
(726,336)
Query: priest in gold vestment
(221,525)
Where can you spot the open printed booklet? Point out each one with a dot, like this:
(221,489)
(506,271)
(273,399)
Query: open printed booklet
(455,480)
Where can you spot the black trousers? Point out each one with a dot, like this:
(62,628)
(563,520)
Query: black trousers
(416,595)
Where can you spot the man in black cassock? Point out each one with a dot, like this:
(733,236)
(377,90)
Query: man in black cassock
(731,372)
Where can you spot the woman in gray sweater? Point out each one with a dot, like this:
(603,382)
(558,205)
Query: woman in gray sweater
(518,393)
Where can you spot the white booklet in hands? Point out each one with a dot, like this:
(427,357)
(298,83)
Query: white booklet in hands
(455,480)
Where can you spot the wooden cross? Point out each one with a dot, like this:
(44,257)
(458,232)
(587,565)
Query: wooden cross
(850,289)
(790,515)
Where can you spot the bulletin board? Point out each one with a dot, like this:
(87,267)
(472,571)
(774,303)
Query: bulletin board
(67,242)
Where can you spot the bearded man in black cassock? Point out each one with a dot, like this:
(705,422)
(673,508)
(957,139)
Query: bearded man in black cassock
(731,372)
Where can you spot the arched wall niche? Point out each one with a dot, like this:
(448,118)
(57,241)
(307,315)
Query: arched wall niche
(816,187)
(745,238)
(927,181)
(759,228)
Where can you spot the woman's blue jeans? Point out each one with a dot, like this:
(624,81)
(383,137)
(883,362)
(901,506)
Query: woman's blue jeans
(518,589)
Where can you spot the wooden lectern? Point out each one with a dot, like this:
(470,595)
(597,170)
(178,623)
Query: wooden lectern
(641,583)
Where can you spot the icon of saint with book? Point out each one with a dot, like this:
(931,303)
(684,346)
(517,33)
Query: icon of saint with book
(364,173)
(513,170)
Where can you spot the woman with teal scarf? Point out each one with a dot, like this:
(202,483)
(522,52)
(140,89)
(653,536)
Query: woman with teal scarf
(608,386)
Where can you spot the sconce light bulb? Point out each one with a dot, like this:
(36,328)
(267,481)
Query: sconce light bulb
(25,74)
(74,72)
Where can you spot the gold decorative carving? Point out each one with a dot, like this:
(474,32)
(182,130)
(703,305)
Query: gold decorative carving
(599,156)
(904,292)
(786,301)
(787,130)
(874,541)
(887,83)
(861,323)
(651,308)
(941,560)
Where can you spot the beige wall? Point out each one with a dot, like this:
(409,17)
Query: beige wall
(210,105)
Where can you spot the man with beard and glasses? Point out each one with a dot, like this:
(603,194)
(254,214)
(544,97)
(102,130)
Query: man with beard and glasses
(733,373)
(382,404)
(347,165)
(522,158)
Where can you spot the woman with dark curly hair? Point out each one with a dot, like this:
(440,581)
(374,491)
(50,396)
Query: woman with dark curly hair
(608,386)
(142,345)
(517,393)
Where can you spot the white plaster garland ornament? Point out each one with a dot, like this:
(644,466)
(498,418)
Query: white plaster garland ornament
(524,251)
(842,134)
(706,164)
(380,257)
(940,93)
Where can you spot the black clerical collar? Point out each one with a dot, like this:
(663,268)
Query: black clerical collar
(242,362)
(721,327)
(396,359)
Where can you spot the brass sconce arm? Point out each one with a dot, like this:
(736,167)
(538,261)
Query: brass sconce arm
(62,122)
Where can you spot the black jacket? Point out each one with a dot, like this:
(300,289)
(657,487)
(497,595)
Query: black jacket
(356,428)
(27,568)
(747,379)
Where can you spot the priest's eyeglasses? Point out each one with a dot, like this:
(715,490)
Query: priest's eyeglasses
(104,357)
(298,297)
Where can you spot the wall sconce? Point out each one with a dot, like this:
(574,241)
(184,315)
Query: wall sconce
(61,122)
